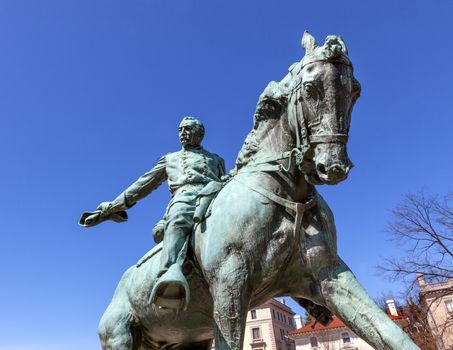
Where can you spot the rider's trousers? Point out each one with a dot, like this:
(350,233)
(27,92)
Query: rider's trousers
(179,224)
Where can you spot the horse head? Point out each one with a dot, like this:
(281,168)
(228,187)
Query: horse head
(322,94)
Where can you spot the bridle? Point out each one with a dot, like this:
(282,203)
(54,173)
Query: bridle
(304,141)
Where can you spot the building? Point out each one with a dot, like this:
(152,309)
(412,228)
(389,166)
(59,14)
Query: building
(437,299)
(268,327)
(336,335)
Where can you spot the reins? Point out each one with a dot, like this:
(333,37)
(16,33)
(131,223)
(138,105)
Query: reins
(304,142)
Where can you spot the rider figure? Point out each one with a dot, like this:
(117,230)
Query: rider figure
(187,172)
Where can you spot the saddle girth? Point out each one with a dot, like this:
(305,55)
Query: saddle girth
(296,209)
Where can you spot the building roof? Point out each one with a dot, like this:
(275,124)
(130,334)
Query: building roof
(396,317)
(336,323)
(314,327)
(278,304)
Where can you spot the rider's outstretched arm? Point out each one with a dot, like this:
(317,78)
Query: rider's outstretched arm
(138,190)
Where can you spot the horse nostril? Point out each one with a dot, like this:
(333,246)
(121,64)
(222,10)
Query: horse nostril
(336,169)
(321,169)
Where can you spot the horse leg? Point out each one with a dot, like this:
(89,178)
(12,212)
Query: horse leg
(231,301)
(346,298)
(117,329)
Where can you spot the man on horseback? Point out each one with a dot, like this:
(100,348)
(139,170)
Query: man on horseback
(187,171)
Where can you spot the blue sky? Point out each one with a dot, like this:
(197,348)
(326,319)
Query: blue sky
(91,94)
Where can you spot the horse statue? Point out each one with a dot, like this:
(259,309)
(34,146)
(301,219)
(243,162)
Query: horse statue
(269,232)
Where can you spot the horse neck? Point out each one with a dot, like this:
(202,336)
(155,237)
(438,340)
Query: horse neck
(275,136)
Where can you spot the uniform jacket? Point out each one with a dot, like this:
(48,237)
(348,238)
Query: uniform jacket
(187,171)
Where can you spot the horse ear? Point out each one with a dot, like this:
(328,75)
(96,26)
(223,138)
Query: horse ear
(342,44)
(308,42)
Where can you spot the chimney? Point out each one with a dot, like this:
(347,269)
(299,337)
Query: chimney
(421,280)
(282,301)
(298,321)
(392,308)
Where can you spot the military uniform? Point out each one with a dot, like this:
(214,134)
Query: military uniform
(187,172)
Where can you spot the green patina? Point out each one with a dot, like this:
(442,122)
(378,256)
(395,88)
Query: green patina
(269,232)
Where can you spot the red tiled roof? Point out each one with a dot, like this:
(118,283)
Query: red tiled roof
(336,323)
(397,317)
(401,310)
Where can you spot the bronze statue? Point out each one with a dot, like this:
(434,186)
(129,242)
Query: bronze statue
(269,232)
(187,172)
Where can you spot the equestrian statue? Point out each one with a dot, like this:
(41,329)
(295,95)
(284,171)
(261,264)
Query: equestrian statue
(229,242)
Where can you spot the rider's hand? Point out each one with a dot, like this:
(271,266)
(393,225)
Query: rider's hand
(94,218)
(105,208)
(227,177)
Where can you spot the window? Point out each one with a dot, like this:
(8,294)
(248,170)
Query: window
(449,305)
(345,337)
(256,333)
(282,334)
(273,313)
(314,342)
(253,314)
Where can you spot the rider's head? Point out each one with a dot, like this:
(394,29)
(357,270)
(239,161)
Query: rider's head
(191,132)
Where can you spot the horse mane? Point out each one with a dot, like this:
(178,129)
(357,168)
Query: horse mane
(277,93)
(271,105)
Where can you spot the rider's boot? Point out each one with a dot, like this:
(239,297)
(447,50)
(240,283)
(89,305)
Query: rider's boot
(172,290)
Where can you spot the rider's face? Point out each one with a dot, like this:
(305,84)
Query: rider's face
(188,135)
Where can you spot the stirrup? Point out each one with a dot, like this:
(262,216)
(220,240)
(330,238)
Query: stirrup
(171,290)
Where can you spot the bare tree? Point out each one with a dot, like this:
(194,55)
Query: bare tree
(422,225)
(418,326)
